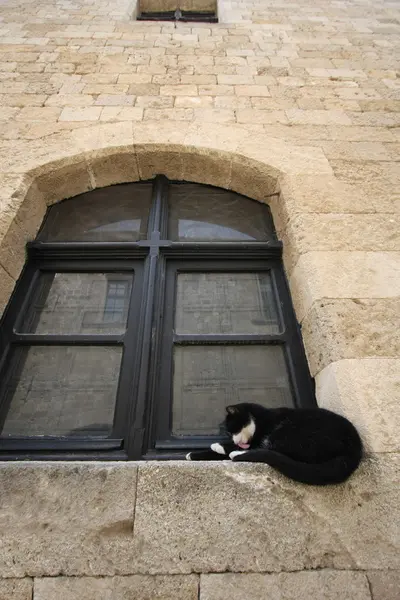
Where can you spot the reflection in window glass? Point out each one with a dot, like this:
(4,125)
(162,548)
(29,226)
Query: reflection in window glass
(57,390)
(67,303)
(209,378)
(203,213)
(225,303)
(118,213)
(117,300)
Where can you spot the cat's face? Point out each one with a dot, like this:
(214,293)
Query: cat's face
(240,425)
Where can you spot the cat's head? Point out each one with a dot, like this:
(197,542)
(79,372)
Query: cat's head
(240,425)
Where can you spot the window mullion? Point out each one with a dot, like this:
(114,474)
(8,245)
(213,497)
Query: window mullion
(138,400)
(158,212)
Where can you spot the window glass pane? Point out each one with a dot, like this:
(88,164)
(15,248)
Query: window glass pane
(198,212)
(116,213)
(209,378)
(79,303)
(57,390)
(225,303)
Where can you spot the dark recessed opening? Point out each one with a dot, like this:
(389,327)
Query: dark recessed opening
(183,16)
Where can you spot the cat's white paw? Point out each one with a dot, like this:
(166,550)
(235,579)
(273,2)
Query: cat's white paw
(235,453)
(217,448)
(188,457)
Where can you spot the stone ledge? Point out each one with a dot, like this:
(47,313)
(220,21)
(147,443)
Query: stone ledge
(384,585)
(16,589)
(321,585)
(139,587)
(81,519)
(68,518)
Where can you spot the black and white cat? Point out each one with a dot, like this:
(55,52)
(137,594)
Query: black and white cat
(314,446)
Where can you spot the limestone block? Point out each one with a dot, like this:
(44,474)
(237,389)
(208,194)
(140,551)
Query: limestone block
(21,214)
(70,179)
(12,251)
(351,328)
(312,193)
(206,166)
(69,518)
(13,189)
(252,178)
(16,589)
(109,167)
(283,157)
(80,113)
(7,284)
(159,132)
(214,136)
(380,180)
(318,117)
(321,585)
(385,585)
(35,156)
(208,517)
(137,587)
(368,393)
(305,232)
(343,275)
(155,160)
(117,136)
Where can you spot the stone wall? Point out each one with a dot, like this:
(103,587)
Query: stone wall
(293,104)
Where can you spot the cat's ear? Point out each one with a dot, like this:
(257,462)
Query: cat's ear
(231,410)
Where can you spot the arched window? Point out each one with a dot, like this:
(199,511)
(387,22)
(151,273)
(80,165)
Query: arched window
(143,310)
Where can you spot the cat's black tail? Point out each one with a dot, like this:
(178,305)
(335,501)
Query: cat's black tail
(332,471)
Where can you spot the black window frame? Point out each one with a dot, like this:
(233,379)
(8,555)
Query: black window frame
(144,394)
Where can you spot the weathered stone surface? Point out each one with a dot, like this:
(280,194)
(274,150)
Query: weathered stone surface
(65,518)
(7,284)
(385,585)
(351,328)
(343,275)
(34,156)
(21,214)
(371,232)
(153,160)
(380,179)
(207,166)
(77,519)
(135,587)
(367,392)
(280,155)
(256,180)
(303,193)
(322,585)
(16,589)
(12,250)
(67,181)
(110,168)
(13,198)
(189,517)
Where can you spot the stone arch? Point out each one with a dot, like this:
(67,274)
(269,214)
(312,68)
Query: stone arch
(41,172)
